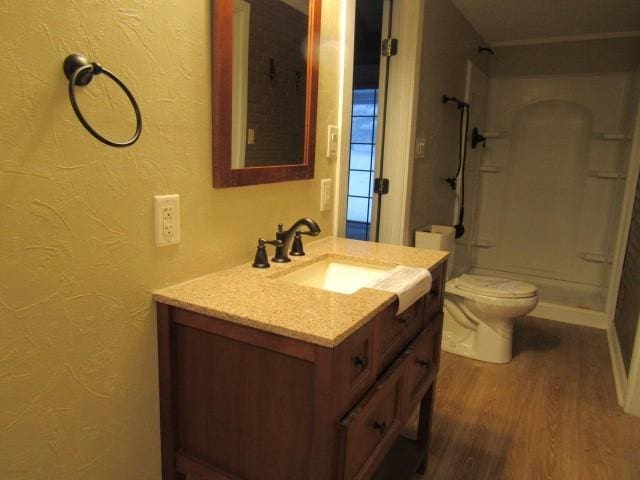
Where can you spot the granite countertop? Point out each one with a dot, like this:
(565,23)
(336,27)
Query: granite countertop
(257,298)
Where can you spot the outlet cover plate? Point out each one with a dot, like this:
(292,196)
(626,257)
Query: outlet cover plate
(166,210)
(326,191)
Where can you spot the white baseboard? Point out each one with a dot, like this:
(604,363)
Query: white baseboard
(572,315)
(617,364)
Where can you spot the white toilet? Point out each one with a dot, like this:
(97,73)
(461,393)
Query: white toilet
(479,311)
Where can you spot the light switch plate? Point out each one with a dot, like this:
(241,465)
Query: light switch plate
(333,137)
(421,147)
(326,188)
(167,219)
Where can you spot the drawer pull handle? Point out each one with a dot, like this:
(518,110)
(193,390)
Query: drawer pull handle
(380,426)
(423,363)
(361,360)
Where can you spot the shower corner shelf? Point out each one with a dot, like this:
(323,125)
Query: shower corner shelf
(490,168)
(611,137)
(482,243)
(607,174)
(594,257)
(495,134)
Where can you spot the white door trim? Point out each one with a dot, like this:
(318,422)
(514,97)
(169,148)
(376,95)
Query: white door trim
(624,225)
(345,100)
(628,388)
(401,119)
(408,17)
(383,95)
(617,364)
(632,397)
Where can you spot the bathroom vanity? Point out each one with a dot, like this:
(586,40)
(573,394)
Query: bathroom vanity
(265,379)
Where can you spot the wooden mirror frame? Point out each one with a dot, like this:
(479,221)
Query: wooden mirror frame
(221,61)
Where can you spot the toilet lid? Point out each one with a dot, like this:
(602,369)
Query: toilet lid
(496,287)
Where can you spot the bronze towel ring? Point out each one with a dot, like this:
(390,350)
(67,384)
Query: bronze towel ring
(80,71)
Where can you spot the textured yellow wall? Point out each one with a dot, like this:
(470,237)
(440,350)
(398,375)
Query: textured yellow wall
(78,369)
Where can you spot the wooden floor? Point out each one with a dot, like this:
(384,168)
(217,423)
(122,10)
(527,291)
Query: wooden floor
(549,414)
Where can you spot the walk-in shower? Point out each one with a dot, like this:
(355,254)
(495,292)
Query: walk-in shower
(550,185)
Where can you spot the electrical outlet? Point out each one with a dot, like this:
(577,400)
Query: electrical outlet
(167,219)
(325,194)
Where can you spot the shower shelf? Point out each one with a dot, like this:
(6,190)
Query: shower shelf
(490,168)
(594,257)
(607,174)
(482,243)
(495,134)
(611,137)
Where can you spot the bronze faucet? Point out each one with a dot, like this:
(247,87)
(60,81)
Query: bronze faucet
(261,260)
(285,236)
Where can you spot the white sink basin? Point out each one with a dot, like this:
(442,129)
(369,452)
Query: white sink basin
(336,275)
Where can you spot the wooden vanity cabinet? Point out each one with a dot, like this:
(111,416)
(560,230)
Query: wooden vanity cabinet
(241,403)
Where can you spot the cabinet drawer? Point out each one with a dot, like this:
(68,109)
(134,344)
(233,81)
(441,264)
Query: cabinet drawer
(435,297)
(372,425)
(354,368)
(395,331)
(422,364)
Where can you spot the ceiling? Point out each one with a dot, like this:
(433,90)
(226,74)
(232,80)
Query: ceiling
(501,21)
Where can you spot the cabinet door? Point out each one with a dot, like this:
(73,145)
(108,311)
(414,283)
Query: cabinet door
(241,409)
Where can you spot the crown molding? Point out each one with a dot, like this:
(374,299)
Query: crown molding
(567,38)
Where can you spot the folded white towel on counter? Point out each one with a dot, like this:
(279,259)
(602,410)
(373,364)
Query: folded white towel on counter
(409,283)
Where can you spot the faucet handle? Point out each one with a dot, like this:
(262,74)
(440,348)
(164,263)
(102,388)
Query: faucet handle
(297,250)
(261,259)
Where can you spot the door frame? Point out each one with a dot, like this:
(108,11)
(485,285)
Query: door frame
(383,97)
(627,383)
(622,237)
(632,395)
(407,25)
(345,101)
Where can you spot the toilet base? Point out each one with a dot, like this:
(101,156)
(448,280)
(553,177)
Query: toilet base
(484,342)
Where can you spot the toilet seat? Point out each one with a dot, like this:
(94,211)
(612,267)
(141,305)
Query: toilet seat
(493,287)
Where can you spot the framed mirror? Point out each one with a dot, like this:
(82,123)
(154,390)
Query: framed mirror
(265,90)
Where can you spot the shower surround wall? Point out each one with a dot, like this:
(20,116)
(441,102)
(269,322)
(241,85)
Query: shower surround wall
(552,173)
